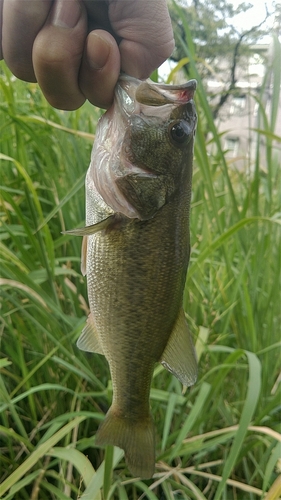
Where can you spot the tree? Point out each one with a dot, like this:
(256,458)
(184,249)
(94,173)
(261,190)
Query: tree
(216,39)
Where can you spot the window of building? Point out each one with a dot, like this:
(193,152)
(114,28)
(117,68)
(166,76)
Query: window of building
(232,145)
(238,105)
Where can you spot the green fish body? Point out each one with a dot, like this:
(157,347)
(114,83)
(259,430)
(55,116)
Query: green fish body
(135,254)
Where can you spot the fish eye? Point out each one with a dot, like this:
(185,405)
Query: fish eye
(179,132)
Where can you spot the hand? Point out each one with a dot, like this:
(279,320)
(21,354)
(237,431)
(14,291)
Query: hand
(75,49)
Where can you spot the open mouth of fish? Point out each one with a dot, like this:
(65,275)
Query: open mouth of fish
(133,95)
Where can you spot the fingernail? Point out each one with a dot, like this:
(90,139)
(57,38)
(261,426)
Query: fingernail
(66,14)
(98,51)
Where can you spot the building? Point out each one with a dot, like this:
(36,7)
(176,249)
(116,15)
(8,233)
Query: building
(239,118)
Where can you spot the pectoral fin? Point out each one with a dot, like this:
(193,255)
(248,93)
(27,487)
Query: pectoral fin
(179,355)
(88,340)
(88,230)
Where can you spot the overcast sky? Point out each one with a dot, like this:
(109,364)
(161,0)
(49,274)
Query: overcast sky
(255,15)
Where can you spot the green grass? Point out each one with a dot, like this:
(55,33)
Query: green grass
(218,440)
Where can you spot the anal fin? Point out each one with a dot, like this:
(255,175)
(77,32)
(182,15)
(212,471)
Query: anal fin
(179,356)
(88,340)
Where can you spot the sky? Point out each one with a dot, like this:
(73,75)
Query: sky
(255,15)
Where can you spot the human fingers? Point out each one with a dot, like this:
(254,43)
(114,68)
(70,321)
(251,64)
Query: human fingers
(57,54)
(69,66)
(46,41)
(21,21)
(100,68)
(146,34)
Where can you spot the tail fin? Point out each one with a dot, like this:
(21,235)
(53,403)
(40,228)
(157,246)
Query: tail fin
(136,438)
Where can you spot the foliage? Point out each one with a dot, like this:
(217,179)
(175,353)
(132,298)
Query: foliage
(212,25)
(218,440)
(220,47)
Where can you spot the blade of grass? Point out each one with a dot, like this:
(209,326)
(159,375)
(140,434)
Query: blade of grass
(93,491)
(274,457)
(191,419)
(19,485)
(108,470)
(77,186)
(253,393)
(37,454)
(75,457)
(225,236)
(168,419)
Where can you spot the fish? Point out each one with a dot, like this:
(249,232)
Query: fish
(135,254)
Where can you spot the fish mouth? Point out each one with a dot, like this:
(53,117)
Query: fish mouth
(135,96)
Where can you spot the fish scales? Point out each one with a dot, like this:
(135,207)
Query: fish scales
(136,253)
(123,296)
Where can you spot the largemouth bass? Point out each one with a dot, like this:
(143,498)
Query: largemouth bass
(135,254)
